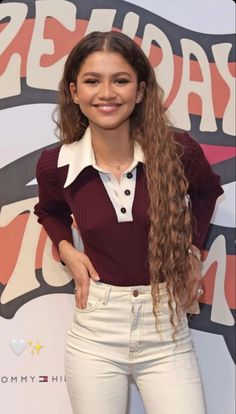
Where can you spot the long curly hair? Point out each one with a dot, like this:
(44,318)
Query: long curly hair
(170,232)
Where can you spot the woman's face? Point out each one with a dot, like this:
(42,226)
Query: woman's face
(107,90)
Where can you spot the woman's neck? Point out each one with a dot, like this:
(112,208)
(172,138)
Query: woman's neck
(112,147)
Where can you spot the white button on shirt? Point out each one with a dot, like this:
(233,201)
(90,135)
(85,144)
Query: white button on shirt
(80,154)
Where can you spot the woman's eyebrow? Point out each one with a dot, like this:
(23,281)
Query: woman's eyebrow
(97,74)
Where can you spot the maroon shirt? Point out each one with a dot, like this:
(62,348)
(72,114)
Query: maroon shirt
(118,250)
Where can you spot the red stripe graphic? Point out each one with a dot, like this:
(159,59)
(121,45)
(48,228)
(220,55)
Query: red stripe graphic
(229,282)
(10,243)
(218,153)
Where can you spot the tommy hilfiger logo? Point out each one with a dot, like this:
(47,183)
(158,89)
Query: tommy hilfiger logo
(32,379)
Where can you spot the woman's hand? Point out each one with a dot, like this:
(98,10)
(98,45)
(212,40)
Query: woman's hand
(196,277)
(193,291)
(81,269)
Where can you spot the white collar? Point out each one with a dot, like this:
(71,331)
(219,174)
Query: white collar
(80,154)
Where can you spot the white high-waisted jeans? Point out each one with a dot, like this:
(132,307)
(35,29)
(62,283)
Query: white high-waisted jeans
(115,337)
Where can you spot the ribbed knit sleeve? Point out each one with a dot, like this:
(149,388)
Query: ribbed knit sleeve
(204,187)
(52,210)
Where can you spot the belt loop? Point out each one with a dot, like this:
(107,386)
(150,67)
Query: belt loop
(106,295)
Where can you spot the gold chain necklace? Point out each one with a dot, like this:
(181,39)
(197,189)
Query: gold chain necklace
(117,167)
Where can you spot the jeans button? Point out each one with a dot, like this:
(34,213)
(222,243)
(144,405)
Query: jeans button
(135,293)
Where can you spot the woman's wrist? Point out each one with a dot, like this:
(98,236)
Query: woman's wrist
(64,249)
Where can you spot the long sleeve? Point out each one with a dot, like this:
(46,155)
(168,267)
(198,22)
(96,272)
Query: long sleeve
(52,210)
(204,188)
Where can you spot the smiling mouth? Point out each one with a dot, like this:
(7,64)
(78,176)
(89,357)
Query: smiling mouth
(108,108)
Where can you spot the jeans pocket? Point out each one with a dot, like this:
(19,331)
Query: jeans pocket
(92,305)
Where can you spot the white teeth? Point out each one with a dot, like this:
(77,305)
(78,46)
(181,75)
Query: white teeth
(107,106)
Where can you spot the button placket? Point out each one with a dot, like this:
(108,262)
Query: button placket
(121,194)
(122,201)
(118,191)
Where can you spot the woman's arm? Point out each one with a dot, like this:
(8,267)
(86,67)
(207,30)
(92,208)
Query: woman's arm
(55,216)
(52,210)
(204,188)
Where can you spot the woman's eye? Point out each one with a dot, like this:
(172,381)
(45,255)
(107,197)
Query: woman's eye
(120,81)
(91,81)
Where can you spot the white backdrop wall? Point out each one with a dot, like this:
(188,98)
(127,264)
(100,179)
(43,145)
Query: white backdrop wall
(190,45)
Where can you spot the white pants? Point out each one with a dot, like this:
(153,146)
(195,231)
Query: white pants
(115,337)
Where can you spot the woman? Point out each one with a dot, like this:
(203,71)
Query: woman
(142,197)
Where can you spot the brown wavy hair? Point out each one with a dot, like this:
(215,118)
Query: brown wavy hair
(170,219)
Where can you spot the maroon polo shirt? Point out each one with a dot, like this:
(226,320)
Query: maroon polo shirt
(118,250)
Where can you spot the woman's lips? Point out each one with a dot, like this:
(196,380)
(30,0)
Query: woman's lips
(107,108)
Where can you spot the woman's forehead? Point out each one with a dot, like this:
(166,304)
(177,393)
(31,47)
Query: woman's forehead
(105,62)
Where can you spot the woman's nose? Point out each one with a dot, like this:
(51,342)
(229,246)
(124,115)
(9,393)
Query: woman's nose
(106,90)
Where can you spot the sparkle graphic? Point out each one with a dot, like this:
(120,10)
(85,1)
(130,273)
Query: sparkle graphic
(38,347)
(35,348)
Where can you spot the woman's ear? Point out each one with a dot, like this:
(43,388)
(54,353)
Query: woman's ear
(140,91)
(73,92)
